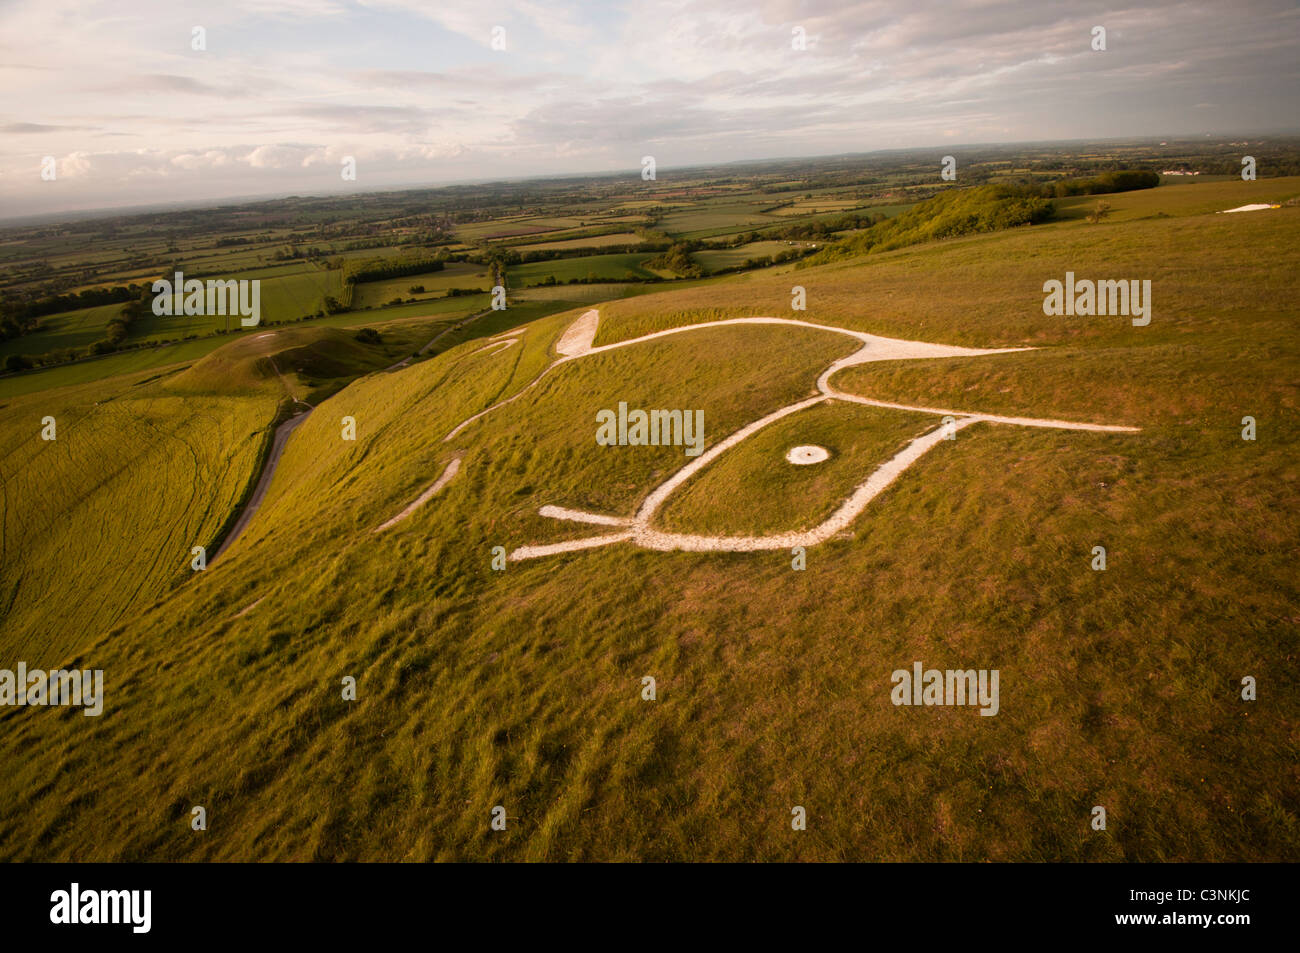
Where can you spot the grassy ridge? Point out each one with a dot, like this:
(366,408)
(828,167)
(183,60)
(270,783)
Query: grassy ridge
(987,208)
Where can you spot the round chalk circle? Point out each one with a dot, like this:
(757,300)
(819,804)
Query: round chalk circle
(802,456)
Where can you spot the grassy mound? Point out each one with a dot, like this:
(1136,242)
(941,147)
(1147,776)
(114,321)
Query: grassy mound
(312,357)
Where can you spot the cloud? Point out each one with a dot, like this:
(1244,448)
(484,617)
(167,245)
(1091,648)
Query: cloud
(23,128)
(415,92)
(278,157)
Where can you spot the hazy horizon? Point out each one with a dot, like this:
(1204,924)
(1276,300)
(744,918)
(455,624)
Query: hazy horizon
(329,191)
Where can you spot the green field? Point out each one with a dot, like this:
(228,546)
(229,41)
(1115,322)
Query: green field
(373,294)
(298,296)
(516,227)
(602,267)
(282,298)
(718,219)
(815,206)
(136,476)
(593,241)
(1203,198)
(715,259)
(69,329)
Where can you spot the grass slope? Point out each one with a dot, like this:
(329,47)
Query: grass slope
(522,688)
(101,520)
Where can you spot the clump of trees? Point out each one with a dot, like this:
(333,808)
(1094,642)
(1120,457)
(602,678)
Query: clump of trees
(676,259)
(498,259)
(1123,180)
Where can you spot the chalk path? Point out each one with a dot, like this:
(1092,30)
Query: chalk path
(278,441)
(874,348)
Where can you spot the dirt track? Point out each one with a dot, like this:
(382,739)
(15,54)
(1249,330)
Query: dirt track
(278,442)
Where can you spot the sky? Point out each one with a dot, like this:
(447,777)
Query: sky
(135,110)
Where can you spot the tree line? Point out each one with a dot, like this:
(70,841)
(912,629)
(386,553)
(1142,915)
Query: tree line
(381,270)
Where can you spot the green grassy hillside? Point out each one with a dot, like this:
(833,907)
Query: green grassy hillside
(102,519)
(522,687)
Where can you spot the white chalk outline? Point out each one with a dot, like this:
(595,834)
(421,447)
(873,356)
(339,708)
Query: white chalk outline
(576,343)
